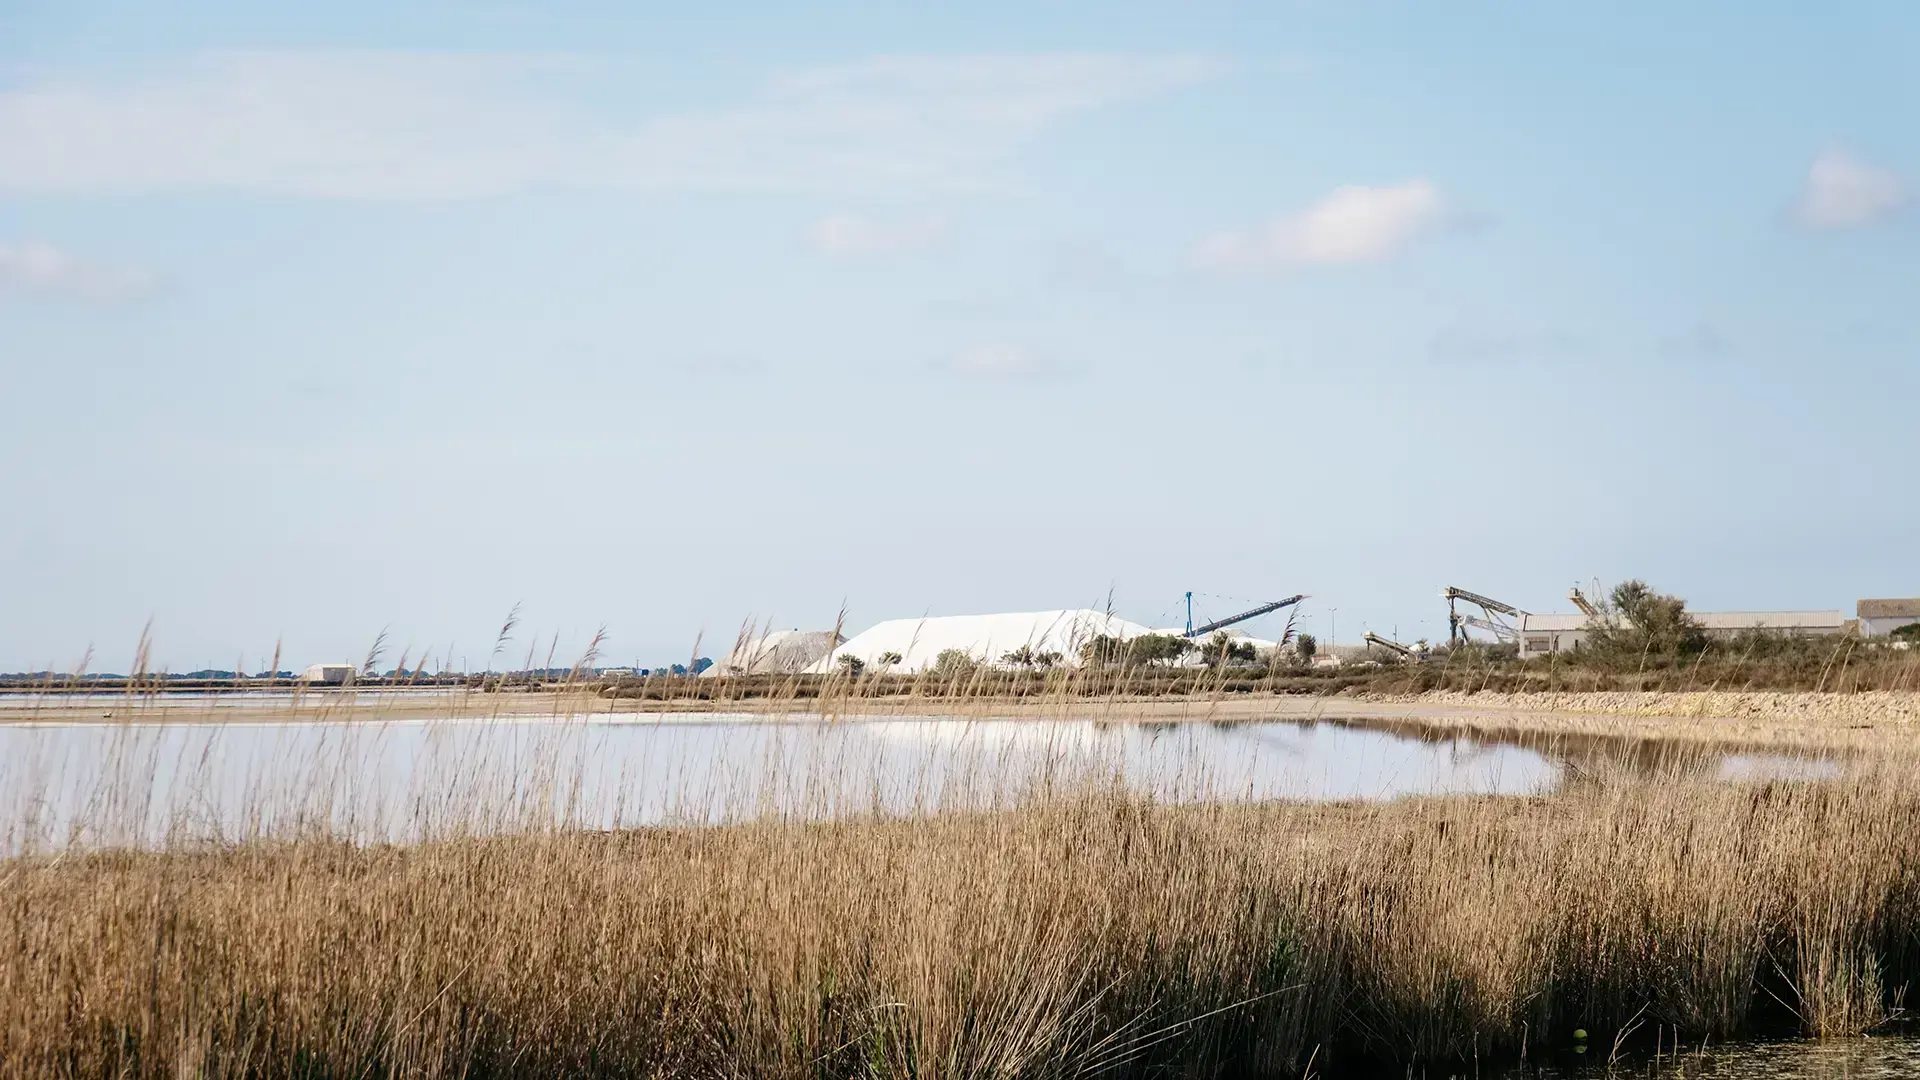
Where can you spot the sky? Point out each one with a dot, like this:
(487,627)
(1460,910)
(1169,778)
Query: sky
(323,320)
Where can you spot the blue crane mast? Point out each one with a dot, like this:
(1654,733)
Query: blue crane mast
(1221,624)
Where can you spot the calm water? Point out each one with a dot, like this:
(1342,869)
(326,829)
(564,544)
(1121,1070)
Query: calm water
(136,783)
(404,779)
(1842,1059)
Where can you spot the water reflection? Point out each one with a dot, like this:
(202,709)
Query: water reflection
(406,779)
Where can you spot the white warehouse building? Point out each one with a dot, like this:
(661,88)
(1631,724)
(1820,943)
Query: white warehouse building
(1878,618)
(984,638)
(1539,635)
(328,675)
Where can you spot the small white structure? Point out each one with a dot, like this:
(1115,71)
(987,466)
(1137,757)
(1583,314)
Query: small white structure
(328,675)
(775,652)
(1878,618)
(984,638)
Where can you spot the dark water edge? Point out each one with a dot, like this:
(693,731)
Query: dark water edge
(1862,1058)
(1891,1056)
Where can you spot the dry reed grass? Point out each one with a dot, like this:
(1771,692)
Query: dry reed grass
(1089,932)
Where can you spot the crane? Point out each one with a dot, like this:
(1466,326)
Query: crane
(1389,644)
(1221,624)
(1456,623)
(1580,601)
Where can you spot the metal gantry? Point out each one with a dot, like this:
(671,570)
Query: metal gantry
(1490,608)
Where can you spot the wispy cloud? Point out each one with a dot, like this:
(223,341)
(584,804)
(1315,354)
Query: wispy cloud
(849,235)
(1843,191)
(39,269)
(1349,225)
(1000,362)
(379,125)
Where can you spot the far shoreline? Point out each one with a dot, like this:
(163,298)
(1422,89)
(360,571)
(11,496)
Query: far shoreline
(1776,720)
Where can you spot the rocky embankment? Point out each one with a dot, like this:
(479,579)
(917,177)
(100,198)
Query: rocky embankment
(1877,718)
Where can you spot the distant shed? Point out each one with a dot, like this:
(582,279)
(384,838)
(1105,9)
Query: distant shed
(1879,618)
(328,674)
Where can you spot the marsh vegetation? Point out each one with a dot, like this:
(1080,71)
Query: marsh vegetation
(1075,928)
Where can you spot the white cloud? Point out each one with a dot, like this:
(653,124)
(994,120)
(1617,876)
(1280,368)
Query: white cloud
(1844,192)
(376,125)
(1000,362)
(848,235)
(1349,225)
(44,270)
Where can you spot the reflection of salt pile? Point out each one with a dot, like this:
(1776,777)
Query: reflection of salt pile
(776,652)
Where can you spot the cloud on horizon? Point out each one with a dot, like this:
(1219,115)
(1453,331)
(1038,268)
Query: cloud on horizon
(1349,225)
(40,269)
(402,125)
(1843,191)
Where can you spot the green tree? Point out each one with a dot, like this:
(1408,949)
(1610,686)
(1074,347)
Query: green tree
(1158,648)
(852,665)
(1026,656)
(1306,645)
(1104,651)
(1637,622)
(1223,648)
(1909,632)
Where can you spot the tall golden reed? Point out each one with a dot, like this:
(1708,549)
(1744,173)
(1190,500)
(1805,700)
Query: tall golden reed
(1082,931)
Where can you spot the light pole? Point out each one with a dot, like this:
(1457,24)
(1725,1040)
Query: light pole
(1333,627)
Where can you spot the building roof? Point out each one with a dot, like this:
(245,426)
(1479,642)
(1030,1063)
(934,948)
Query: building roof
(1710,620)
(1908,608)
(1770,620)
(985,638)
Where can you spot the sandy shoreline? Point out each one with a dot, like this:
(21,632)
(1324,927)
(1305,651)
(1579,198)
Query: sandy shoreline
(1784,720)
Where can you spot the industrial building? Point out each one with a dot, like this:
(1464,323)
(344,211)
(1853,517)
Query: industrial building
(1878,618)
(328,675)
(1539,635)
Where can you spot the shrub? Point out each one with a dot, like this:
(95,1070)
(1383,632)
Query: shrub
(954,664)
(1224,648)
(1147,649)
(1637,623)
(1026,656)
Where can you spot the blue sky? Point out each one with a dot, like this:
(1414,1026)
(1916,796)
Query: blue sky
(315,322)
